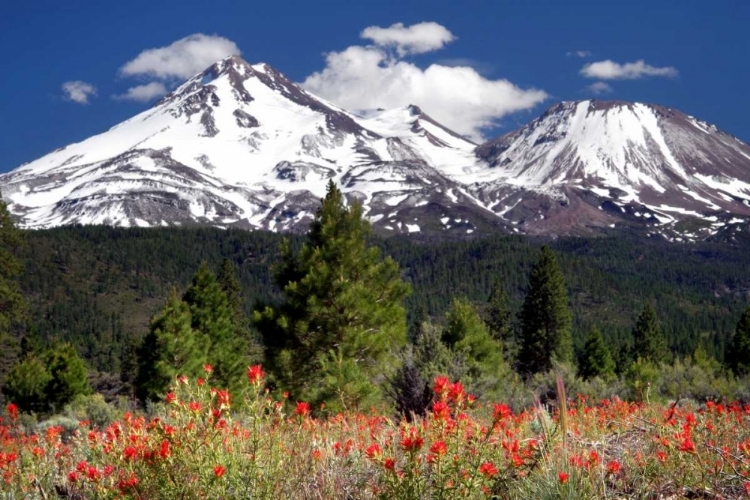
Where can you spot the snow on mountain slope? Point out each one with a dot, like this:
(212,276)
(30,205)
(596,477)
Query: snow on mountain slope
(235,144)
(241,145)
(644,160)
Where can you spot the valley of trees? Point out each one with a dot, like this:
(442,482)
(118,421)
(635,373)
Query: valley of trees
(345,320)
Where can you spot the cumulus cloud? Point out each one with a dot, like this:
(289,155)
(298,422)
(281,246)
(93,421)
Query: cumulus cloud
(370,77)
(600,88)
(583,54)
(181,59)
(415,39)
(78,91)
(610,70)
(143,93)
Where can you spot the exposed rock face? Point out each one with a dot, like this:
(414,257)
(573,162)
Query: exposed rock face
(240,144)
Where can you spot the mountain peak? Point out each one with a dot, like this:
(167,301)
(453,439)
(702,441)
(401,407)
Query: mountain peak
(242,145)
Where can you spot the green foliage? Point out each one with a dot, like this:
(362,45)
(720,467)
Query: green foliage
(45,383)
(342,312)
(648,341)
(26,385)
(596,360)
(498,314)
(213,319)
(467,338)
(12,304)
(231,286)
(171,348)
(68,375)
(640,377)
(546,319)
(738,356)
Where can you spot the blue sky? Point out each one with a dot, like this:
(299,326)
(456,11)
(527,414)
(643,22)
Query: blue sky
(525,56)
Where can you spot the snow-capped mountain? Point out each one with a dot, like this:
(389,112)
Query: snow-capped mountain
(636,162)
(241,145)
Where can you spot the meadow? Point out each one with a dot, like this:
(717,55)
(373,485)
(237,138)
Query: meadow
(203,442)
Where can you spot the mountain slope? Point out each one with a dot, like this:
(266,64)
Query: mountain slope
(241,145)
(644,161)
(237,145)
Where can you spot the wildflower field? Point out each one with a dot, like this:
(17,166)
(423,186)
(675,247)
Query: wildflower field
(203,443)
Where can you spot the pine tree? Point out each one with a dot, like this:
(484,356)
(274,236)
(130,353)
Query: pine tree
(329,341)
(68,376)
(12,304)
(546,319)
(46,383)
(498,313)
(170,349)
(466,336)
(26,385)
(738,356)
(596,360)
(213,318)
(649,342)
(230,284)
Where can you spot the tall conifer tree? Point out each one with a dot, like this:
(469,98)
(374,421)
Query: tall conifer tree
(546,320)
(738,356)
(596,360)
(649,342)
(212,317)
(12,303)
(498,313)
(230,284)
(171,348)
(331,339)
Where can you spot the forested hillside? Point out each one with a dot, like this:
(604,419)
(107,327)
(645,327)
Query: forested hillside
(97,287)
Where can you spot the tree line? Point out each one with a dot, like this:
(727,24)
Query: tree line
(337,334)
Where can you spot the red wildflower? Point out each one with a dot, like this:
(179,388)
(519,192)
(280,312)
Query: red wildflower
(488,469)
(373,451)
(12,410)
(208,368)
(593,458)
(500,412)
(219,471)
(439,448)
(441,385)
(661,456)
(201,382)
(130,453)
(255,374)
(164,451)
(441,410)
(389,464)
(170,398)
(223,397)
(302,409)
(73,477)
(456,391)
(93,473)
(687,445)
(613,467)
(412,442)
(194,406)
(128,483)
(563,477)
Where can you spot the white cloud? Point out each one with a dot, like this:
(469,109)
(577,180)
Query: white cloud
(610,70)
(459,97)
(583,54)
(181,59)
(78,91)
(143,93)
(599,88)
(414,39)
